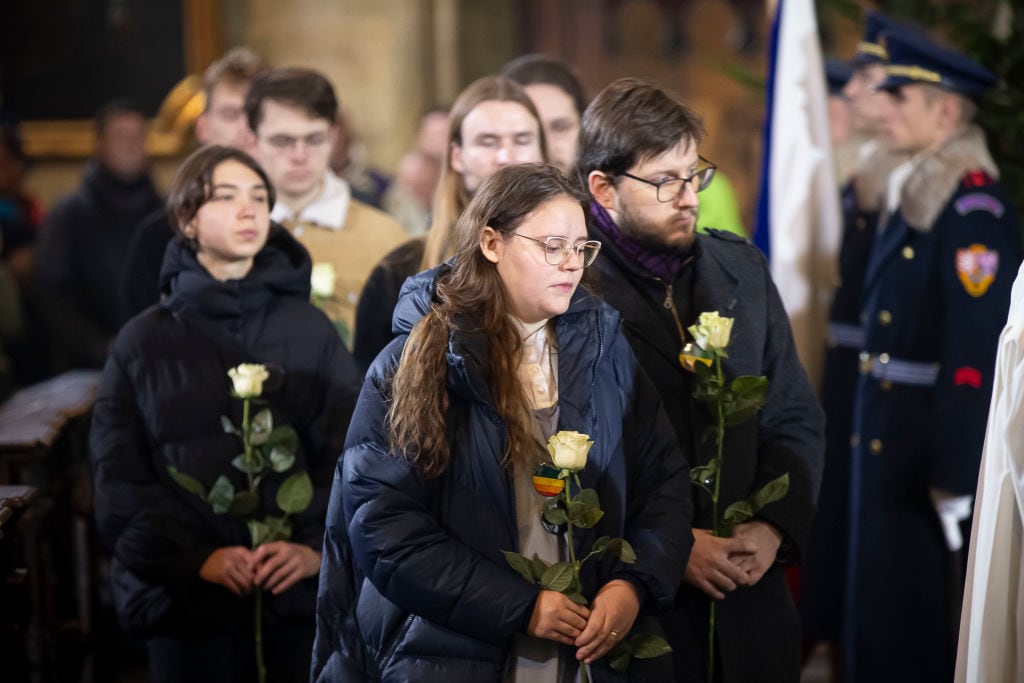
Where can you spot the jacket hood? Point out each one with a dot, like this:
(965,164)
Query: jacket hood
(282,268)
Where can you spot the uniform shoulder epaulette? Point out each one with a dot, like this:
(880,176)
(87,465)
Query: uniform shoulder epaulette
(725,235)
(977,178)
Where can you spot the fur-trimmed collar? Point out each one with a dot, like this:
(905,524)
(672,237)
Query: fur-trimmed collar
(936,176)
(869,183)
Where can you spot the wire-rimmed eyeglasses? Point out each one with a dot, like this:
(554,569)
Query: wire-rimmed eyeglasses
(669,190)
(558,249)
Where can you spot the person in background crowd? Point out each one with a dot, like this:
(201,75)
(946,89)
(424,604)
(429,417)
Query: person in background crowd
(348,162)
(86,237)
(410,198)
(293,113)
(183,577)
(493,124)
(498,350)
(558,96)
(225,84)
(863,168)
(21,216)
(638,155)
(936,295)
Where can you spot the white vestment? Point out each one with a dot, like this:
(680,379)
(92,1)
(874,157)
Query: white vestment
(992,622)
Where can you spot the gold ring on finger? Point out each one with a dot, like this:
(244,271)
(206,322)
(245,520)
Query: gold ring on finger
(614,634)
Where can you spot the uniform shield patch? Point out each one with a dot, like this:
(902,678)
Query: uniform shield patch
(976,267)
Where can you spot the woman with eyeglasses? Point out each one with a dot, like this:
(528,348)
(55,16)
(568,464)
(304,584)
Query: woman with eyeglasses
(500,349)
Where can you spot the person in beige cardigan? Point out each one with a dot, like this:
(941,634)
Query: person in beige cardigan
(293,114)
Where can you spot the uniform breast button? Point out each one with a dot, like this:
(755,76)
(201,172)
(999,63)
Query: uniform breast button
(876,446)
(908,252)
(884,317)
(883,358)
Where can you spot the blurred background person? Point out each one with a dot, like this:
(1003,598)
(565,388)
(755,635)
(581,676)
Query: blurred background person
(223,122)
(493,124)
(410,198)
(86,237)
(293,113)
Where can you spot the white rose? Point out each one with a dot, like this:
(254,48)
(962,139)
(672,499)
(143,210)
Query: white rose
(712,331)
(322,280)
(247,379)
(569,450)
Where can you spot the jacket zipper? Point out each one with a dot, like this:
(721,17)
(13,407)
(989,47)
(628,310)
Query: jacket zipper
(670,304)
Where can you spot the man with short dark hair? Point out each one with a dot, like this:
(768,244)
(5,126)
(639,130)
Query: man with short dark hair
(293,114)
(559,98)
(936,295)
(638,155)
(85,240)
(223,122)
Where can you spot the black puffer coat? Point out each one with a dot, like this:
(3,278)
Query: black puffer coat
(160,404)
(414,585)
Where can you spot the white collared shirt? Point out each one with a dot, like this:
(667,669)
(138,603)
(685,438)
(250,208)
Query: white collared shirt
(328,210)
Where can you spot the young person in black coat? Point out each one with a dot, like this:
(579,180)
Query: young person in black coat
(499,349)
(236,291)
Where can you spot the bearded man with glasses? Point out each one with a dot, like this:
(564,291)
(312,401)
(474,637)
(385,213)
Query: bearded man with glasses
(638,156)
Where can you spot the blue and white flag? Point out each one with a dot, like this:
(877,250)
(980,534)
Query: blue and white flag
(798,222)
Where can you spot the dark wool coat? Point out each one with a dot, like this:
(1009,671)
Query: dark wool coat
(758,634)
(936,296)
(431,597)
(164,390)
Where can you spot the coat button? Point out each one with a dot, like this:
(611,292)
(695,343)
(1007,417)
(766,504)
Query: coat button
(885,385)
(884,317)
(883,358)
(875,446)
(908,252)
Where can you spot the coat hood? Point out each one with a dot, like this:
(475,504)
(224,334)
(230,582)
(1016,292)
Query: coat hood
(282,268)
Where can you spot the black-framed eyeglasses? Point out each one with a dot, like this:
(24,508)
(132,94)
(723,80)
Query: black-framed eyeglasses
(669,190)
(558,249)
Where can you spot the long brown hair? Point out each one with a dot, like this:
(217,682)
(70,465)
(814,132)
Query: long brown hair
(471,289)
(451,197)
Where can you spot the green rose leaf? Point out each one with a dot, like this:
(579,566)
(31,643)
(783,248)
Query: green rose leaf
(558,576)
(539,566)
(281,460)
(247,465)
(774,490)
(589,498)
(748,396)
(519,563)
(621,548)
(222,495)
(186,482)
(244,504)
(262,425)
(285,437)
(554,511)
(577,598)
(737,513)
(278,529)
(227,426)
(259,531)
(295,493)
(704,474)
(648,646)
(619,656)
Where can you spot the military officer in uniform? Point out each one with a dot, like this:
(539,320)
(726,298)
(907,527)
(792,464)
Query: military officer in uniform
(936,295)
(823,574)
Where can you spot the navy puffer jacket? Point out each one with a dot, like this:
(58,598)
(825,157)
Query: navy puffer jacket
(414,586)
(160,403)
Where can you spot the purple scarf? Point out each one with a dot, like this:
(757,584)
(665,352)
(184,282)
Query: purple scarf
(664,265)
